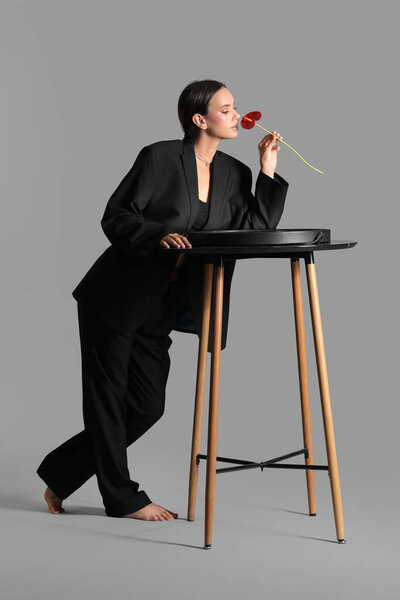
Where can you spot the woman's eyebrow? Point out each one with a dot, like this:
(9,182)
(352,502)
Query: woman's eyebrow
(226,105)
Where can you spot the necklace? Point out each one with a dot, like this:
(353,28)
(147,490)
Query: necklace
(207,162)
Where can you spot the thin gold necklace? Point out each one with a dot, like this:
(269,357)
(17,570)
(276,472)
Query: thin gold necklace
(207,162)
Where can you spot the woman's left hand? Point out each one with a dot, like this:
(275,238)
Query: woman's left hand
(269,153)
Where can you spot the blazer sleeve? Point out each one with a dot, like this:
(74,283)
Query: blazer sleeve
(264,209)
(124,221)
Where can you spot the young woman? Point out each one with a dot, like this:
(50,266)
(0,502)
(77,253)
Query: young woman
(137,292)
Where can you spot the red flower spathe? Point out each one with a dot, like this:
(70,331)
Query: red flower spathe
(249,120)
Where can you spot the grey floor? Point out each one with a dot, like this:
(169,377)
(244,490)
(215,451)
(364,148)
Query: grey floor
(264,545)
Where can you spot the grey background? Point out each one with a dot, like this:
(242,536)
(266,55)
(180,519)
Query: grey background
(85,85)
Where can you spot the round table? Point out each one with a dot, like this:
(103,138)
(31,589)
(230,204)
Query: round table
(214,260)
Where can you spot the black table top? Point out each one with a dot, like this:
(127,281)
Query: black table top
(264,251)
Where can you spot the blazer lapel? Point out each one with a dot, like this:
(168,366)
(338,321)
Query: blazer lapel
(218,185)
(189,166)
(218,188)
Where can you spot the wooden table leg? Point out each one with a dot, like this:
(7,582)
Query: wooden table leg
(325,397)
(213,407)
(303,381)
(200,385)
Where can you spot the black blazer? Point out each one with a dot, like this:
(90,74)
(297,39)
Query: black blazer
(159,195)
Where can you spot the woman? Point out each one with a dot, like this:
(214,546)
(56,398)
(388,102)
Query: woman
(137,292)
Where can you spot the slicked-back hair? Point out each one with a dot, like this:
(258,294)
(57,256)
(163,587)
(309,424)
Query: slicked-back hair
(195,99)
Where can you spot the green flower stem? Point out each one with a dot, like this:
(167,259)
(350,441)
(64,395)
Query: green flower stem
(247,119)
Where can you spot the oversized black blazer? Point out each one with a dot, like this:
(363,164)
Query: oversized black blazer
(159,195)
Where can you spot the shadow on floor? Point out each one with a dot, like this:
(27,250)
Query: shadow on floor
(18,502)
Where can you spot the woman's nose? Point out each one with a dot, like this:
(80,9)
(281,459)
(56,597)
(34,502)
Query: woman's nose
(237,116)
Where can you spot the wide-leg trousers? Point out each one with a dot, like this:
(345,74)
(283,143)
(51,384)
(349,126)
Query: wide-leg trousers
(124,376)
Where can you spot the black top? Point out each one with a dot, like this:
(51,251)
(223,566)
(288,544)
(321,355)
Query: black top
(202,215)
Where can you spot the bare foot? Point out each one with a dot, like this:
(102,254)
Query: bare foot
(153,512)
(53,501)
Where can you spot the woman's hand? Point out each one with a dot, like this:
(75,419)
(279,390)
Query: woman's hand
(269,153)
(175,239)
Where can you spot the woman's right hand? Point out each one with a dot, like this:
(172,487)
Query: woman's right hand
(269,153)
(175,239)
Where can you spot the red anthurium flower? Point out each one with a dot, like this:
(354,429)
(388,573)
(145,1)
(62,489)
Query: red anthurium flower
(249,120)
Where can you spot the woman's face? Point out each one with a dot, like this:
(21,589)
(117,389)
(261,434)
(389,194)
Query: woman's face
(222,119)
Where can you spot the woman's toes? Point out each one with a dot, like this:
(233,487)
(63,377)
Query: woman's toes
(53,502)
(55,509)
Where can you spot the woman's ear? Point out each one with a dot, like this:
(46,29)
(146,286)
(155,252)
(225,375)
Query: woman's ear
(199,120)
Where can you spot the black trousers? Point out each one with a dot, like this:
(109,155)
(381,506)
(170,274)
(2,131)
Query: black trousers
(124,376)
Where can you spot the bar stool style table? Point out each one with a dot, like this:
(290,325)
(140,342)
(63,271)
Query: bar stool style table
(215,258)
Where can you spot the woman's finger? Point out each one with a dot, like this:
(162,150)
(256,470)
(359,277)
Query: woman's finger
(186,241)
(267,138)
(183,240)
(175,238)
(264,139)
(271,137)
(171,239)
(273,140)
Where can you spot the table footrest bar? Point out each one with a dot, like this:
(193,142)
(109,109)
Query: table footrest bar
(228,460)
(294,466)
(268,464)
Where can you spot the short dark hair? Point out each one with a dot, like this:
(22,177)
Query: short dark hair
(194,99)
